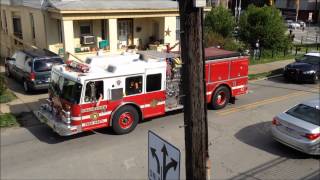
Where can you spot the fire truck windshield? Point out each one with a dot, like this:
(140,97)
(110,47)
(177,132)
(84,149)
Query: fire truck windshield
(65,88)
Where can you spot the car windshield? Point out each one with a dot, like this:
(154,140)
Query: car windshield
(46,64)
(310,59)
(65,88)
(306,113)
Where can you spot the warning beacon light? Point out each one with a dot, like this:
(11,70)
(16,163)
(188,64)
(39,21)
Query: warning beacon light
(78,66)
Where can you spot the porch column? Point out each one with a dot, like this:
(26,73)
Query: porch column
(68,36)
(113,35)
(170,30)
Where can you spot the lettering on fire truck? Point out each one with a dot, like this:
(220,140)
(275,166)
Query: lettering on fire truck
(121,90)
(103,108)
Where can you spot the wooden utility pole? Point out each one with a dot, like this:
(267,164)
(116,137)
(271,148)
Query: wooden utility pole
(297,9)
(195,107)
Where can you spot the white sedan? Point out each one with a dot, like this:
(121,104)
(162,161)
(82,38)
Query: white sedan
(294,25)
(299,127)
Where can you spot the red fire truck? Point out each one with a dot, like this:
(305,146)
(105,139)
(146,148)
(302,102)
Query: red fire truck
(121,90)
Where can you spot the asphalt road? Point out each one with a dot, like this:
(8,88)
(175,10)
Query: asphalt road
(239,143)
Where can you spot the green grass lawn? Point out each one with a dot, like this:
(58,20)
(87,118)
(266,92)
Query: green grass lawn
(7,120)
(7,96)
(264,60)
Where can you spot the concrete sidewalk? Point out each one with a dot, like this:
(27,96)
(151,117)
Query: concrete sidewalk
(261,68)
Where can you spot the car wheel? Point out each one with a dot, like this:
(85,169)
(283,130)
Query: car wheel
(125,120)
(8,74)
(220,98)
(26,86)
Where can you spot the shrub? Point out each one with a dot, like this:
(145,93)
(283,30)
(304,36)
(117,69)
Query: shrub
(213,39)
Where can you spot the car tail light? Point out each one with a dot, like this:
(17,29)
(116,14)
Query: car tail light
(275,122)
(312,136)
(32,76)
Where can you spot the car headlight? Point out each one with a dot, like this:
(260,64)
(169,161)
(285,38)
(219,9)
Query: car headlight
(309,72)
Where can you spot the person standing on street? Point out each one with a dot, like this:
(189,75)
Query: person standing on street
(256,51)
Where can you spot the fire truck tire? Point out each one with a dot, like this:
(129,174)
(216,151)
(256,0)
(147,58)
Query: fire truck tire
(220,98)
(125,120)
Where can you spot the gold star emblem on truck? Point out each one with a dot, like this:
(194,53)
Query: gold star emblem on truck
(94,116)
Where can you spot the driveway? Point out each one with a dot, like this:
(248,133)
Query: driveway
(24,102)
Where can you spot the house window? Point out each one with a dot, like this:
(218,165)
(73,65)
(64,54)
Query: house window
(85,29)
(133,85)
(153,82)
(178,28)
(32,26)
(59,30)
(17,29)
(94,91)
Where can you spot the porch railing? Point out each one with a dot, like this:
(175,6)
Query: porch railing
(13,43)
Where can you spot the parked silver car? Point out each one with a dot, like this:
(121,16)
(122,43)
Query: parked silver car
(292,24)
(299,127)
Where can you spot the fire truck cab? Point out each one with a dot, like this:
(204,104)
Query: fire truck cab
(119,91)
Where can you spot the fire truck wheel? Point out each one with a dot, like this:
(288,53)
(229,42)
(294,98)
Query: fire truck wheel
(221,98)
(125,120)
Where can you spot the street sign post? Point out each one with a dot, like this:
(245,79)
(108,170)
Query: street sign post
(163,159)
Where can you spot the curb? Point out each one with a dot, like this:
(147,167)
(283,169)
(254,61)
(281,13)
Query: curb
(265,78)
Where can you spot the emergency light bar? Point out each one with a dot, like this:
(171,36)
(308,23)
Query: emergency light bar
(78,66)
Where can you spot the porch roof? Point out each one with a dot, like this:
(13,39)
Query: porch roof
(112,5)
(37,4)
(90,5)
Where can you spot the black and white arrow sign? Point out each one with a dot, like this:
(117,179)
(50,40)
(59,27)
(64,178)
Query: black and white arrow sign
(163,159)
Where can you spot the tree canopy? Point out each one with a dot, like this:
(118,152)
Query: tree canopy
(219,20)
(264,24)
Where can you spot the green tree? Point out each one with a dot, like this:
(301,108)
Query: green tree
(264,24)
(219,20)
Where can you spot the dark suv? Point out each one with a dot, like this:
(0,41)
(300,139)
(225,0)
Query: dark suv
(32,67)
